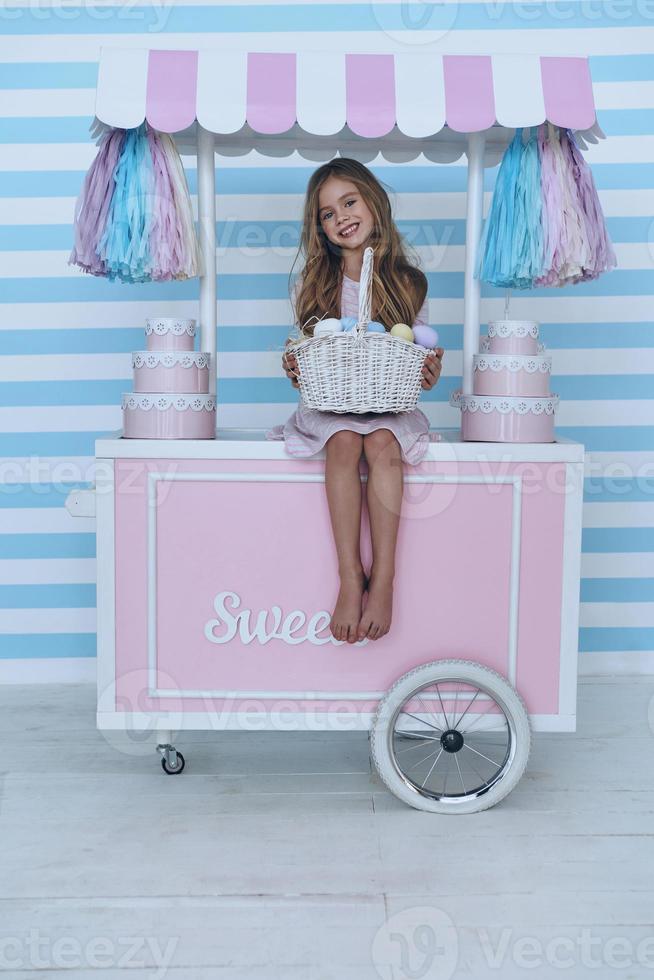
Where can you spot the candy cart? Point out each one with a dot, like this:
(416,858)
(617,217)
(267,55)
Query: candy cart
(216,569)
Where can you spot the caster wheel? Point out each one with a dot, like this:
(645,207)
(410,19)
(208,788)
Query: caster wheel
(451,736)
(178,768)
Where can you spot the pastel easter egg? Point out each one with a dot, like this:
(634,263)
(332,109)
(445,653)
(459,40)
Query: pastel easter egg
(348,322)
(425,336)
(403,331)
(374,326)
(324,327)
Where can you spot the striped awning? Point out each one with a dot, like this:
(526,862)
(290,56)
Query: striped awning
(325,93)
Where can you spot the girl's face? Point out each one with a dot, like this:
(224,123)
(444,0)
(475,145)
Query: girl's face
(344,216)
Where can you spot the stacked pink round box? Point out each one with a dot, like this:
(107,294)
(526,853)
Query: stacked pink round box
(511,400)
(171,397)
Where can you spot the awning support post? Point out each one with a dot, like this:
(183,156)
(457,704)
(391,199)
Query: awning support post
(472,286)
(207,227)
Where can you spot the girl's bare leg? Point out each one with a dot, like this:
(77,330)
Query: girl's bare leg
(343,486)
(384,496)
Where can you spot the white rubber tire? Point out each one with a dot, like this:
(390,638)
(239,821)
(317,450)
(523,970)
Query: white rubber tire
(443,670)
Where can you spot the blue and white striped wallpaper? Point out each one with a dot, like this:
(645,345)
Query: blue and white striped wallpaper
(66,338)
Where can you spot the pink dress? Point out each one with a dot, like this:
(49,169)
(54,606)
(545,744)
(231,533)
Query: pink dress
(307,430)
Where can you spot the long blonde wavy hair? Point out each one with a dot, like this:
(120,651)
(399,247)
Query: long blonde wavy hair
(399,288)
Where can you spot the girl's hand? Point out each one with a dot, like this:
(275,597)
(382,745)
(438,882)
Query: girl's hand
(431,368)
(289,364)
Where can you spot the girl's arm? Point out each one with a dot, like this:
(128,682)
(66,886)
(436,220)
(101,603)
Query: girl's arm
(295,289)
(431,369)
(289,363)
(422,317)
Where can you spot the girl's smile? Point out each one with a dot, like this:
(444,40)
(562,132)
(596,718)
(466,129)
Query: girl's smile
(349,230)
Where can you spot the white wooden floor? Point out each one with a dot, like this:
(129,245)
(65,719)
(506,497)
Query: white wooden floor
(282,855)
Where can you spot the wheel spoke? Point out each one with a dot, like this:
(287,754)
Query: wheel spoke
(465,791)
(435,727)
(417,735)
(420,761)
(447,724)
(484,782)
(418,745)
(432,768)
(459,720)
(484,714)
(487,731)
(486,742)
(427,711)
(492,761)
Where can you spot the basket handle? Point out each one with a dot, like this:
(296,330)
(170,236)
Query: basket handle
(365,293)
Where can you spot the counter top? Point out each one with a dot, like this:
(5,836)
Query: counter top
(252,444)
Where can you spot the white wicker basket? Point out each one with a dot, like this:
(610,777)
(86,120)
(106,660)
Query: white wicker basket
(359,371)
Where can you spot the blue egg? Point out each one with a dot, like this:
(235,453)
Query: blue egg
(348,322)
(376,327)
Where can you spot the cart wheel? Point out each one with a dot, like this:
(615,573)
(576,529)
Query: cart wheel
(451,736)
(174,771)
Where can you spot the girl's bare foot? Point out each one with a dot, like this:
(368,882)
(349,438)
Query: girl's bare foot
(347,611)
(377,615)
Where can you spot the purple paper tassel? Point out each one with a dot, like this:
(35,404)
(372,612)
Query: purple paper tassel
(552,208)
(173,240)
(93,203)
(568,234)
(601,250)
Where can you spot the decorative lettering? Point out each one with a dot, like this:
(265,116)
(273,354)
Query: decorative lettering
(225,627)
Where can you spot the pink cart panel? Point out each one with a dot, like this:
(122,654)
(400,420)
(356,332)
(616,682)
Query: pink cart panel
(218,577)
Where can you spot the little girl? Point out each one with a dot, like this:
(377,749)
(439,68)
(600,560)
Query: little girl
(345,210)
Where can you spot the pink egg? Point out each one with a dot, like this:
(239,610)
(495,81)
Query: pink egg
(425,336)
